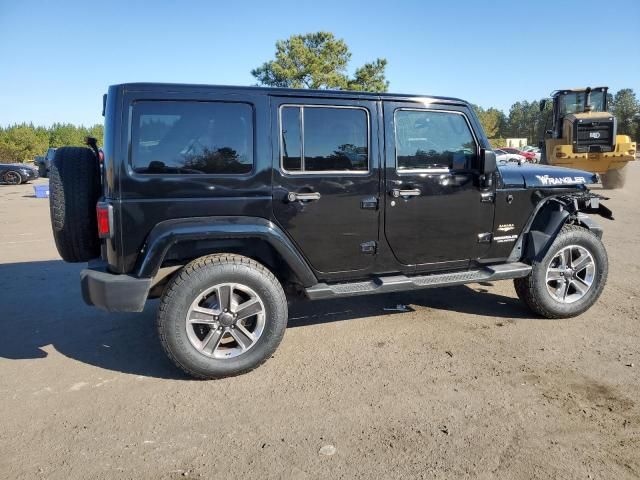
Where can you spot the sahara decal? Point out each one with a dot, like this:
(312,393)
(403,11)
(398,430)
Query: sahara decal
(505,238)
(506,227)
(547,180)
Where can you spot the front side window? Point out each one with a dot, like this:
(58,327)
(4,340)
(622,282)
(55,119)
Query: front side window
(192,138)
(433,140)
(324,139)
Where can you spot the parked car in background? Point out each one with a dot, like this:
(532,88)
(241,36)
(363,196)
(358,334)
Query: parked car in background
(44,163)
(530,156)
(505,157)
(535,150)
(16,173)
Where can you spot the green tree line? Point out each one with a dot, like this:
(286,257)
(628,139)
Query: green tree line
(23,142)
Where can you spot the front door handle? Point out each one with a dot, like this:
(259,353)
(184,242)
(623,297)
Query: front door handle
(303,197)
(414,192)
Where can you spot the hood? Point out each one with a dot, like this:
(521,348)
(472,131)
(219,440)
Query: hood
(531,175)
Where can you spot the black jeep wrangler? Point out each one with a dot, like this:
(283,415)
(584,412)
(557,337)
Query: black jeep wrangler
(225,201)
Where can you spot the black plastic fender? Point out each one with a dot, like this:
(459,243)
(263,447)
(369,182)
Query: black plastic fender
(170,232)
(545,223)
(538,241)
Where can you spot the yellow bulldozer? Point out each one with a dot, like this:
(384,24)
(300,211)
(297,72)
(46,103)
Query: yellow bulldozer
(583,136)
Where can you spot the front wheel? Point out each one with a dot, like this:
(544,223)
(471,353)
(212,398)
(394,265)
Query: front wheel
(222,315)
(569,279)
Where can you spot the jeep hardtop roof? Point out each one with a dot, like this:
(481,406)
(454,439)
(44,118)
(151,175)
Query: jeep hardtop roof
(297,92)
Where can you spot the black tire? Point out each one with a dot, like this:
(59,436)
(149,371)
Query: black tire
(12,177)
(614,178)
(42,170)
(532,290)
(195,279)
(74,189)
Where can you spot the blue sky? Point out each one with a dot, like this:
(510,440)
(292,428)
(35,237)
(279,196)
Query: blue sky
(58,57)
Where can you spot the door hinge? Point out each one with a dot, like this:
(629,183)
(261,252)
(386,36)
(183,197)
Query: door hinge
(369,203)
(369,248)
(485,237)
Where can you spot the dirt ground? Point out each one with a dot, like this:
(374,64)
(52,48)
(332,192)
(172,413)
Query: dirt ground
(466,383)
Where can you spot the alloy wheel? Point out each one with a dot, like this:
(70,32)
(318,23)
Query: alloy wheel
(570,274)
(225,321)
(12,178)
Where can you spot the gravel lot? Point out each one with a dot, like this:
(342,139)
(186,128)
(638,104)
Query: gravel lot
(466,383)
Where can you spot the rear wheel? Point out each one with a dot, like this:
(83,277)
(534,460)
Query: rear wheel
(569,279)
(614,178)
(74,189)
(12,178)
(222,315)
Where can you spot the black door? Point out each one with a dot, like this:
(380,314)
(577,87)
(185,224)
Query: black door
(326,179)
(436,212)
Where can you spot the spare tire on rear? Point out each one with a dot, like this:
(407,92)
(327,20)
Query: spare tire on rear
(74,189)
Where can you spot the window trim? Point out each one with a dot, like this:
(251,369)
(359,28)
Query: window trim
(131,167)
(427,170)
(301,106)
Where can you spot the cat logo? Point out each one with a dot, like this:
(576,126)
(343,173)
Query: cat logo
(594,134)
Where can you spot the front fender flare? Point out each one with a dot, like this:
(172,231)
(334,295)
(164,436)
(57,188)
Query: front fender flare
(170,232)
(538,235)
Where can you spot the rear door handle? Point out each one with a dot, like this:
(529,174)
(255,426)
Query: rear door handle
(303,197)
(414,192)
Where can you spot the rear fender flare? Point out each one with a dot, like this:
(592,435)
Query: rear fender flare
(171,232)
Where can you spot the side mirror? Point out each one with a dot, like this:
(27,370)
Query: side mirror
(488,163)
(543,103)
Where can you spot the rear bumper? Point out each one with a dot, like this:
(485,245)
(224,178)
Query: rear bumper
(113,292)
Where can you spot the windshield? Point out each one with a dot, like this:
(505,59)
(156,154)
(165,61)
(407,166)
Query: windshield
(574,102)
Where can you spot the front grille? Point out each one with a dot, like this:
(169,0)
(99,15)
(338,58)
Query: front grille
(594,136)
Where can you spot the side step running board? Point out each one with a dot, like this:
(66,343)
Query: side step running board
(401,282)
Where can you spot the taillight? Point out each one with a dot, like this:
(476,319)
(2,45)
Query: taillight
(104,215)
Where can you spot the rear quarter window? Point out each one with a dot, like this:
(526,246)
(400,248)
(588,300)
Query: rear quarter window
(192,138)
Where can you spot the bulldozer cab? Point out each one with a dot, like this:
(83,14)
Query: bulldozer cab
(568,102)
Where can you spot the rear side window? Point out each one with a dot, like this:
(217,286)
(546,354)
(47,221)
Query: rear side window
(324,139)
(192,138)
(433,140)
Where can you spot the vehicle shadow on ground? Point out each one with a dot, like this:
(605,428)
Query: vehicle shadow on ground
(41,308)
